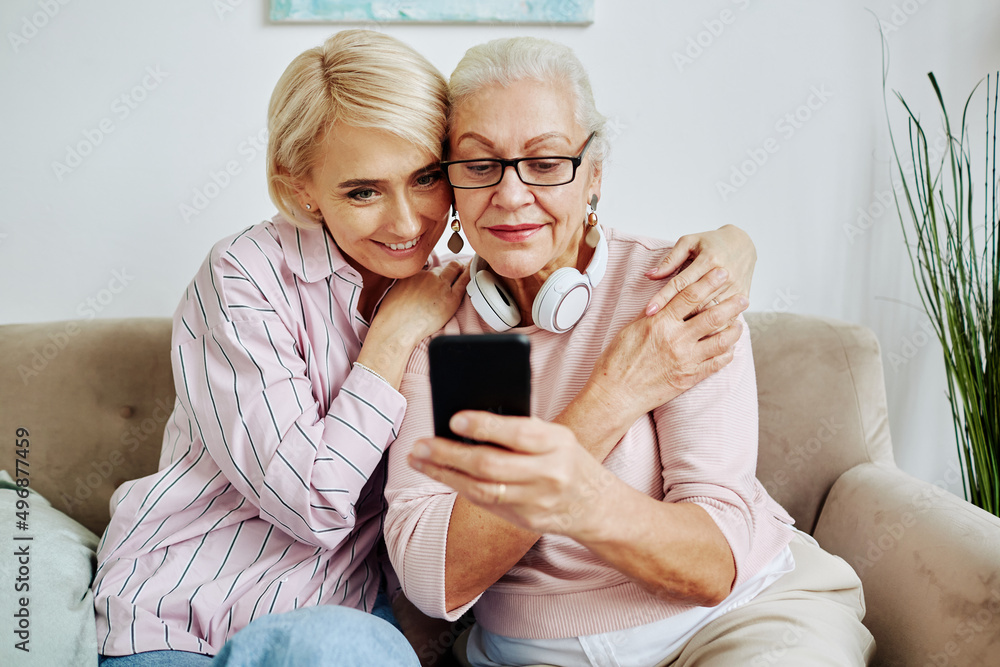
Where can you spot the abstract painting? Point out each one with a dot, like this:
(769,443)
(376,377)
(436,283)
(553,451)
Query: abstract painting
(578,12)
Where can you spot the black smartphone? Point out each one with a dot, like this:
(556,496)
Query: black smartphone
(479,372)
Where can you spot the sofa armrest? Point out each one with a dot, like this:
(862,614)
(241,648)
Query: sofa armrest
(821,395)
(95,396)
(929,562)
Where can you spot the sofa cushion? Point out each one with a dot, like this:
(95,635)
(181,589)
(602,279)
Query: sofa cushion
(47,601)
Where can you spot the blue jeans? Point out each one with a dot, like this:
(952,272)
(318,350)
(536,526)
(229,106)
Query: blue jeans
(325,635)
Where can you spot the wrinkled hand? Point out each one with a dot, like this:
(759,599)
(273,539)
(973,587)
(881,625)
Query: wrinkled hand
(655,359)
(420,305)
(539,477)
(695,255)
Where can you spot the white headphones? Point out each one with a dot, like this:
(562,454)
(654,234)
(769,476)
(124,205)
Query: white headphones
(559,305)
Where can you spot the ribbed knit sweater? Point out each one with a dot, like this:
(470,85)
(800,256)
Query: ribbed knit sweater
(699,448)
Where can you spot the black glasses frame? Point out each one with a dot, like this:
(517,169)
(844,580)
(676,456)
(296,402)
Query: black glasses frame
(575,160)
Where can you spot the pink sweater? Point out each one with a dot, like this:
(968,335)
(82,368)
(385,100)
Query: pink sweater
(699,448)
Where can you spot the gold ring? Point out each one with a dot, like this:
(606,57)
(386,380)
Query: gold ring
(501,492)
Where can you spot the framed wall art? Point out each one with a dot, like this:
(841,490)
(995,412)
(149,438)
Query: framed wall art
(569,12)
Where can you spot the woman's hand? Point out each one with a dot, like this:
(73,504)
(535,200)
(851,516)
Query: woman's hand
(420,305)
(653,360)
(657,358)
(413,309)
(728,247)
(539,478)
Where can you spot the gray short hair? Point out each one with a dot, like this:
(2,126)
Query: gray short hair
(504,61)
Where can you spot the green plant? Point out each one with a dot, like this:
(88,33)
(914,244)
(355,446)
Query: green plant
(956,266)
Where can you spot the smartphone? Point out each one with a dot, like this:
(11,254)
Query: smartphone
(489,372)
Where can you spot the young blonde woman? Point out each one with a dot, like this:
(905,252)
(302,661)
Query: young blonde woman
(257,541)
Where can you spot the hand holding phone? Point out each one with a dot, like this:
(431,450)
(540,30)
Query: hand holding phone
(489,372)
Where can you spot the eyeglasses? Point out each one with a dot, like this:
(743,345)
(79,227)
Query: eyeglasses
(487,172)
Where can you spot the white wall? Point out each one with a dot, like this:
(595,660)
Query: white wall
(106,237)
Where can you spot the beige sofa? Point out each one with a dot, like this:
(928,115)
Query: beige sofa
(94,396)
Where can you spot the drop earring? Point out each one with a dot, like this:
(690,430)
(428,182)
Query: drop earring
(455,243)
(593,235)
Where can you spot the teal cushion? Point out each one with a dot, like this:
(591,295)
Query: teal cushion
(47,606)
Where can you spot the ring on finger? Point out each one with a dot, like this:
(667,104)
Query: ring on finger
(714,301)
(501,493)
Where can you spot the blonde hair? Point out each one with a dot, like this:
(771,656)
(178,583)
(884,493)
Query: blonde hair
(358,77)
(502,62)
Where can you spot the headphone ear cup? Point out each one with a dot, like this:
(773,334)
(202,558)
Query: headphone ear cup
(561,301)
(492,301)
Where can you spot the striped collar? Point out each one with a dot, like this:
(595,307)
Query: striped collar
(310,254)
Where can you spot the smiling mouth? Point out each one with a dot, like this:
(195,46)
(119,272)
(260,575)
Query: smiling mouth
(515,228)
(402,246)
(514,233)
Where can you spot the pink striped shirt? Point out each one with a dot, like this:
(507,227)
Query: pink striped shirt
(699,448)
(269,493)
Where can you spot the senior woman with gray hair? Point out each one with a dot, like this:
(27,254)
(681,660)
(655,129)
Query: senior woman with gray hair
(646,539)
(258,540)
